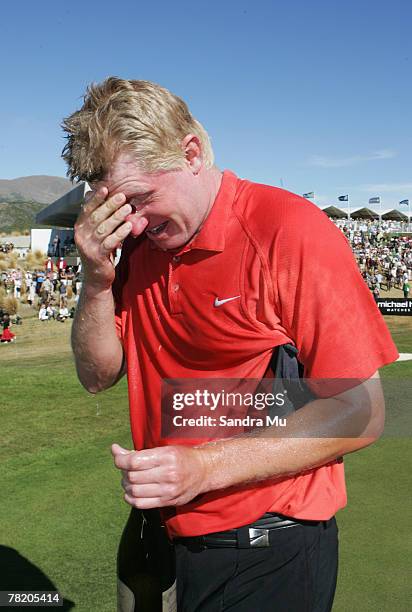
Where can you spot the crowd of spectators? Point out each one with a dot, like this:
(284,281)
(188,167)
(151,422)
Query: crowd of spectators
(52,290)
(384,258)
(42,286)
(6,247)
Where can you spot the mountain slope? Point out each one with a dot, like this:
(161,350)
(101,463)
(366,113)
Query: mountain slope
(18,216)
(44,189)
(22,198)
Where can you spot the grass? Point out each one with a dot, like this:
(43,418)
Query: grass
(375,525)
(62,511)
(62,507)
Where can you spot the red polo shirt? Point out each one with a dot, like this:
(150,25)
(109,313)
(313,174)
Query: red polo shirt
(298,283)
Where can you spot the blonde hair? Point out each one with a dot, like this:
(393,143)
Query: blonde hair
(138,117)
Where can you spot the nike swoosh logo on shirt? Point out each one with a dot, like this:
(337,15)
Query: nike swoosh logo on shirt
(220,302)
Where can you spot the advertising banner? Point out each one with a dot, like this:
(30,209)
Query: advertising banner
(395,306)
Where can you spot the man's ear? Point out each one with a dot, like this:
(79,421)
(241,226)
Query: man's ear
(193,153)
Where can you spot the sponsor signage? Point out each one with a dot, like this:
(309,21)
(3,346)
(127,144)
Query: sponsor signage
(394,306)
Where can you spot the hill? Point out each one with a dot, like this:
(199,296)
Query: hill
(40,188)
(18,216)
(22,198)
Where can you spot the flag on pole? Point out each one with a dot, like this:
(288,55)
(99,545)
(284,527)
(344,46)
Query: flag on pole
(376,200)
(310,195)
(344,198)
(404,203)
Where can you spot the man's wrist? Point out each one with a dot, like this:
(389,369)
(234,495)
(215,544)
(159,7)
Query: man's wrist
(213,476)
(93,290)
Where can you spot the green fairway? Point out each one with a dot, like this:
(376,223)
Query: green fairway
(62,507)
(62,510)
(375,542)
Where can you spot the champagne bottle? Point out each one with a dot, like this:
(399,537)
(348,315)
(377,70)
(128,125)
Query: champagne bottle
(145,565)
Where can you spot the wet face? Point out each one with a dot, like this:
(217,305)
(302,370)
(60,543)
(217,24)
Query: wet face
(174,203)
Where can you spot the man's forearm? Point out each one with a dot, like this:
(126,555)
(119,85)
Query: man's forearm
(97,349)
(315,435)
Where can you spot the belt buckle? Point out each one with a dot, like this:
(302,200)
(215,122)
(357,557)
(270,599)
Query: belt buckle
(259,538)
(202,543)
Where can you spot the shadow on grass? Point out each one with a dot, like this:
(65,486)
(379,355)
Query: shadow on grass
(18,574)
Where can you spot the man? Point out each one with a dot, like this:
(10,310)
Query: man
(17,284)
(215,272)
(379,279)
(61,265)
(46,289)
(56,246)
(49,265)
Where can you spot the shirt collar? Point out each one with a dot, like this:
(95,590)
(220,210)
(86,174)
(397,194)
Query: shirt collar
(212,234)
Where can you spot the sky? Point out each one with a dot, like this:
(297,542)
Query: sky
(309,95)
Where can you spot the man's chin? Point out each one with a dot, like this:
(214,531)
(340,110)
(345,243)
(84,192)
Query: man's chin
(169,243)
(166,243)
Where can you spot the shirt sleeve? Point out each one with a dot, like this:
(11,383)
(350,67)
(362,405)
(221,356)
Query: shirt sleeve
(324,303)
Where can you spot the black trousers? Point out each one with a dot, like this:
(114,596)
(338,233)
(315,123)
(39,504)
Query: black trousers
(296,573)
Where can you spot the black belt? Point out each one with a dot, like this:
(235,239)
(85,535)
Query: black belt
(259,534)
